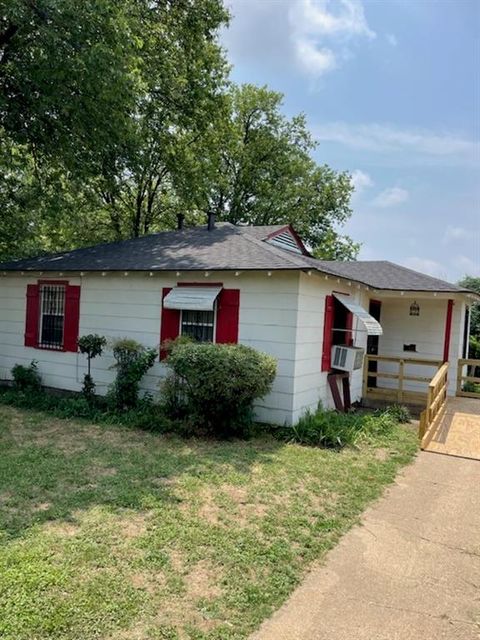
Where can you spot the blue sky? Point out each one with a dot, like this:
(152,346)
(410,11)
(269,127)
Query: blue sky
(391,91)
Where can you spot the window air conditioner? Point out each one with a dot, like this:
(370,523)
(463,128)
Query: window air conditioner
(347,358)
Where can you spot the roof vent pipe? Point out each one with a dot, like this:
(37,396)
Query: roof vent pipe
(211,221)
(180,219)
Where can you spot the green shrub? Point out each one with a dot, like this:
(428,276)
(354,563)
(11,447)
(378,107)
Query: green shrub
(146,415)
(27,377)
(325,429)
(91,345)
(333,430)
(471,387)
(133,360)
(399,413)
(213,386)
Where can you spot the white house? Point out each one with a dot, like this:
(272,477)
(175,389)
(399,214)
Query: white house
(253,285)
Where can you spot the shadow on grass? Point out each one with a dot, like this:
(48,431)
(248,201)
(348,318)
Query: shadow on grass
(50,468)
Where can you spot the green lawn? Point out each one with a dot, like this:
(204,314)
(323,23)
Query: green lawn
(125,535)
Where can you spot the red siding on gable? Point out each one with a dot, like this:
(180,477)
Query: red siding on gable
(72,318)
(327,333)
(228,307)
(170,323)
(32,315)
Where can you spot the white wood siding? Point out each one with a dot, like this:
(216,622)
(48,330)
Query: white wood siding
(311,385)
(426,331)
(119,306)
(282,315)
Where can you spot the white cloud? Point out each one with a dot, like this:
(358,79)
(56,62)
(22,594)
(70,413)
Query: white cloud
(317,18)
(361,181)
(454,234)
(391,197)
(386,139)
(314,60)
(467,266)
(424,265)
(319,26)
(392,39)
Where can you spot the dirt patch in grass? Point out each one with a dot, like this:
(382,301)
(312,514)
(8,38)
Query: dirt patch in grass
(148,581)
(202,581)
(42,506)
(61,529)
(382,454)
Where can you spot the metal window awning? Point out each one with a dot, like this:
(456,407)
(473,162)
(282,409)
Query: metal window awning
(372,326)
(192,298)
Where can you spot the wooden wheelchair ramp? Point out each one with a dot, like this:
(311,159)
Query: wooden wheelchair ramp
(455,431)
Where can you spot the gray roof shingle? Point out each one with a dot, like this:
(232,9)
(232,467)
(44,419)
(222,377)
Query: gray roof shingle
(226,247)
(382,274)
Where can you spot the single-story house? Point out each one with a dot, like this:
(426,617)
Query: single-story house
(255,285)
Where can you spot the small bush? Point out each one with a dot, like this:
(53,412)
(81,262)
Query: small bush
(333,430)
(133,360)
(91,345)
(27,378)
(325,429)
(471,387)
(146,415)
(399,413)
(213,386)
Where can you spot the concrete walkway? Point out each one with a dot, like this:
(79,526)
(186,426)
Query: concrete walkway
(410,571)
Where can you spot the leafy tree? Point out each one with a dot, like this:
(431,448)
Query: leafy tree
(257,168)
(69,76)
(473,283)
(115,115)
(95,98)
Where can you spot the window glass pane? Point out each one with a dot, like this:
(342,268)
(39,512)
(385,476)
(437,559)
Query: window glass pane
(198,325)
(52,311)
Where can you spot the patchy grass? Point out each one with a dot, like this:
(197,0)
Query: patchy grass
(119,534)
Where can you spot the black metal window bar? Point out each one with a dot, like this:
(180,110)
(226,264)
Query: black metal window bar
(52,315)
(198,325)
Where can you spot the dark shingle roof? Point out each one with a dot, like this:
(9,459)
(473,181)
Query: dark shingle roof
(382,274)
(226,247)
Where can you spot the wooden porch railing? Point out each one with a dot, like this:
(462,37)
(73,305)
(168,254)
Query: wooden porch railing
(436,400)
(397,393)
(472,392)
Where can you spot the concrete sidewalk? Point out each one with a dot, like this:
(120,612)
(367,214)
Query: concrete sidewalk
(410,571)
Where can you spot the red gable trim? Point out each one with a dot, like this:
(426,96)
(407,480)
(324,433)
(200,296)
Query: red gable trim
(295,236)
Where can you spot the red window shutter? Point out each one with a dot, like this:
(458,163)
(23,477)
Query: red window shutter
(72,318)
(170,323)
(228,306)
(32,315)
(327,333)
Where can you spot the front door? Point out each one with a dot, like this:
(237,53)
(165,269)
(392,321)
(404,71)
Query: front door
(374,310)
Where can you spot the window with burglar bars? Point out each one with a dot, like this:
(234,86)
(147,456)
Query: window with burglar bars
(52,315)
(198,325)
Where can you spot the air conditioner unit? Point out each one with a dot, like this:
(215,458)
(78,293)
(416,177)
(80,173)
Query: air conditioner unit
(347,358)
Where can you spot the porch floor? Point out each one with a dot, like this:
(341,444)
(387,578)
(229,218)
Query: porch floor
(457,431)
